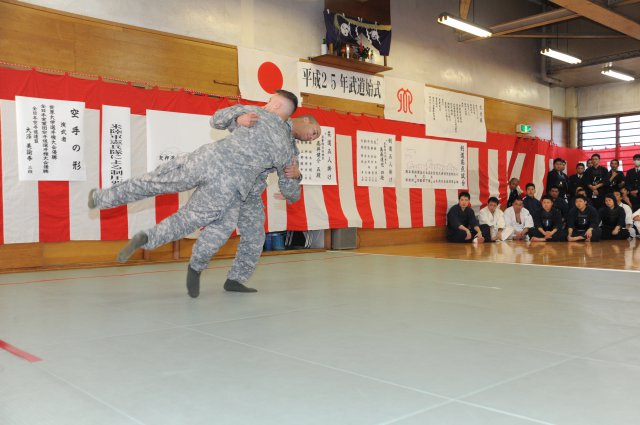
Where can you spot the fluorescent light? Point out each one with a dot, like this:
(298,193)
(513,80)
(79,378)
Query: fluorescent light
(456,23)
(560,56)
(616,74)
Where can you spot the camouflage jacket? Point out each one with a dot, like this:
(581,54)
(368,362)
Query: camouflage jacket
(226,119)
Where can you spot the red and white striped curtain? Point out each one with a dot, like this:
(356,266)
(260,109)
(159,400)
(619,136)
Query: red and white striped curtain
(57,211)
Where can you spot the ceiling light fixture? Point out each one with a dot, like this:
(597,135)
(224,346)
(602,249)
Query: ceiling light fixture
(560,56)
(617,74)
(448,20)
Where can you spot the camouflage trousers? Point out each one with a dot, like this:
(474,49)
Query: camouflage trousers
(249,217)
(214,194)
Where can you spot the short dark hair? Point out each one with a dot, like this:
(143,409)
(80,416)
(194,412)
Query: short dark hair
(290,96)
(595,155)
(464,195)
(617,190)
(616,160)
(529,185)
(584,198)
(613,198)
(553,187)
(518,200)
(546,197)
(636,156)
(494,200)
(579,164)
(555,161)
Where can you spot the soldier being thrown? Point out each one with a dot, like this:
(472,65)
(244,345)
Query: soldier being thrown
(249,213)
(222,174)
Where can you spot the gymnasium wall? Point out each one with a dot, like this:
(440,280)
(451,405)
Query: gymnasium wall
(421,50)
(44,38)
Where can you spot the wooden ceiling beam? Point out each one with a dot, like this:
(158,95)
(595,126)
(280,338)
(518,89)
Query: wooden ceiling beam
(538,20)
(465,7)
(603,16)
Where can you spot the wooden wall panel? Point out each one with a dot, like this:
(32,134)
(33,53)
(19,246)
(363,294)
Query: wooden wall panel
(343,105)
(560,132)
(47,38)
(388,237)
(370,10)
(503,116)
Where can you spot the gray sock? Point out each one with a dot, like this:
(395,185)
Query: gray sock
(235,286)
(138,240)
(193,282)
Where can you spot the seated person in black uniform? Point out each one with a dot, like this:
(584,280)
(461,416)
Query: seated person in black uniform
(582,222)
(613,218)
(462,224)
(547,223)
(632,182)
(530,202)
(616,177)
(577,180)
(597,178)
(559,202)
(558,178)
(579,191)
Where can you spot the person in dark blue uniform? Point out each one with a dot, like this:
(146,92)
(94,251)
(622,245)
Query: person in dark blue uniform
(547,222)
(616,177)
(462,224)
(632,182)
(559,202)
(613,218)
(577,180)
(558,178)
(597,178)
(530,202)
(582,222)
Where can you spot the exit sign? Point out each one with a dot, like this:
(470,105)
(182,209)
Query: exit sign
(523,128)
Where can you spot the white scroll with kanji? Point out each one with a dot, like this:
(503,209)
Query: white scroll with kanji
(375,159)
(317,159)
(434,164)
(115,145)
(170,134)
(454,115)
(51,139)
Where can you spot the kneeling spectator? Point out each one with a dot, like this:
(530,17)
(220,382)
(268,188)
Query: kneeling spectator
(491,220)
(583,221)
(462,225)
(547,222)
(613,220)
(518,218)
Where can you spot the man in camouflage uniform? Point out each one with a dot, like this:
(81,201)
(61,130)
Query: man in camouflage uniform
(250,217)
(222,173)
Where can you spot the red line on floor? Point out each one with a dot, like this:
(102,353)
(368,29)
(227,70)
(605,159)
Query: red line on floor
(18,352)
(61,279)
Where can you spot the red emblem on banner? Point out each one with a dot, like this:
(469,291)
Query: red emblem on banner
(405,99)
(270,77)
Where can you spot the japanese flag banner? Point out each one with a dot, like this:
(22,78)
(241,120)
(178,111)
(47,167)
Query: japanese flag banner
(261,73)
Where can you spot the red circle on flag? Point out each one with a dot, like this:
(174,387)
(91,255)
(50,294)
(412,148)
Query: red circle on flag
(270,77)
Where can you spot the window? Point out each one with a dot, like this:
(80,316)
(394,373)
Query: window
(609,132)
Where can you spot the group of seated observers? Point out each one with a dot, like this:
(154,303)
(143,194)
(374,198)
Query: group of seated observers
(592,205)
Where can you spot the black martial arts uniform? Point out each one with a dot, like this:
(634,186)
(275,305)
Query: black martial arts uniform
(548,221)
(581,221)
(612,217)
